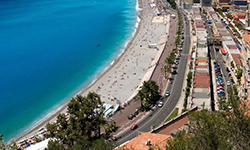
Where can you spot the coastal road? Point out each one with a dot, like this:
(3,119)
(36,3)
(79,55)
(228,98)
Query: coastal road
(158,116)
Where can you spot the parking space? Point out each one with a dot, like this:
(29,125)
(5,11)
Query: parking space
(220,82)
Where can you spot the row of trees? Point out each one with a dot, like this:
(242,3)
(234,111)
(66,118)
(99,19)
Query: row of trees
(169,62)
(172,55)
(188,88)
(178,33)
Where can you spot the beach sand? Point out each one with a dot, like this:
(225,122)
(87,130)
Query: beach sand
(124,77)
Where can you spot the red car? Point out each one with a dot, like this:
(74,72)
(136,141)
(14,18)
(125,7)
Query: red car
(134,126)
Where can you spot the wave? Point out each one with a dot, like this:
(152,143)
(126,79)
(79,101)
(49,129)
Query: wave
(122,50)
(88,83)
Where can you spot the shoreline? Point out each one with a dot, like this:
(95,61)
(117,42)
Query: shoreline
(108,70)
(52,117)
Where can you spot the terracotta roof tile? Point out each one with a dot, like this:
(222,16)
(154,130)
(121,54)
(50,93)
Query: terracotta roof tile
(139,143)
(174,125)
(236,58)
(246,37)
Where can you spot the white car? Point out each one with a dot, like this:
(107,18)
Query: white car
(160,104)
(167,93)
(228,83)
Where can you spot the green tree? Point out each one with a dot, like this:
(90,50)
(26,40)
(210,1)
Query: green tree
(11,146)
(148,94)
(171,57)
(216,130)
(2,145)
(82,128)
(239,74)
(166,69)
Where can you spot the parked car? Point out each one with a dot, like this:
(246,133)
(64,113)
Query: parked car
(167,93)
(228,83)
(160,104)
(232,81)
(217,73)
(217,70)
(220,83)
(174,72)
(133,126)
(131,116)
(176,62)
(220,88)
(222,93)
(219,77)
(227,69)
(217,66)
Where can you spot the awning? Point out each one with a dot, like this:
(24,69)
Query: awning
(223,51)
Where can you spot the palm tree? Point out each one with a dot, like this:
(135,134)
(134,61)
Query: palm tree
(148,93)
(166,69)
(170,59)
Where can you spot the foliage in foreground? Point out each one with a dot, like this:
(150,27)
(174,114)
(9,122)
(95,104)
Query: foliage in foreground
(228,129)
(82,130)
(4,146)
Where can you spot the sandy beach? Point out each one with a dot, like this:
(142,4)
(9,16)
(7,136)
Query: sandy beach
(123,78)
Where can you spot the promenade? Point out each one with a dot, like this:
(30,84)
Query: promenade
(157,75)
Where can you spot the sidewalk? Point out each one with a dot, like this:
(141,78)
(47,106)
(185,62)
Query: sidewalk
(182,97)
(121,117)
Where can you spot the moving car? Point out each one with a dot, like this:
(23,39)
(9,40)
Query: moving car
(133,126)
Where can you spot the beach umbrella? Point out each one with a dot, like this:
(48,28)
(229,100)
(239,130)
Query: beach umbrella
(112,98)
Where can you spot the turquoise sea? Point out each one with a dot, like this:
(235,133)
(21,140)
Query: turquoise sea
(48,53)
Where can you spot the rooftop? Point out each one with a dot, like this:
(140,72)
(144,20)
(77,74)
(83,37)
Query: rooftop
(158,141)
(236,58)
(246,37)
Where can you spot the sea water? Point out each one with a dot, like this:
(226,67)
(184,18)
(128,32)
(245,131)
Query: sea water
(51,49)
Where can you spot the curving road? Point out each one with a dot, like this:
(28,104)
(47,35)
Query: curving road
(158,115)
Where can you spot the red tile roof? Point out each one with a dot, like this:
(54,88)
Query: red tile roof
(246,37)
(201,60)
(175,125)
(201,66)
(236,58)
(201,74)
(232,46)
(220,26)
(201,81)
(158,141)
